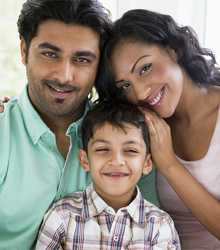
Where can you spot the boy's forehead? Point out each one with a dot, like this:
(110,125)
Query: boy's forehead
(109,130)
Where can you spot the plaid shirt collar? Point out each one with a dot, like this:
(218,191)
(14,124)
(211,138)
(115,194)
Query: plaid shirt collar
(93,205)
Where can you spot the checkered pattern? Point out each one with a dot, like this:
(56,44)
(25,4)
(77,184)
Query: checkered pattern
(84,221)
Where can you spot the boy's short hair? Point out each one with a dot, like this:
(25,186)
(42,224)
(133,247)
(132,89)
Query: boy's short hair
(115,113)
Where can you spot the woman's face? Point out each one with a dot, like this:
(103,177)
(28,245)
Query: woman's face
(148,76)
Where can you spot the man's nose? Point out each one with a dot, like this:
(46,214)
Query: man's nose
(64,71)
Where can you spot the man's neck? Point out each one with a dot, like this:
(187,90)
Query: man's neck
(60,125)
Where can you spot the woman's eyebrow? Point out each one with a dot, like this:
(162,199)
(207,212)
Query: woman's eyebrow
(132,70)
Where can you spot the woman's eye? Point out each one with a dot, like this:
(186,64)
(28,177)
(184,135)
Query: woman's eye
(125,86)
(145,69)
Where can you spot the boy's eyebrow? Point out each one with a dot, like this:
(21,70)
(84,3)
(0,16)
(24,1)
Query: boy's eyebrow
(100,140)
(127,142)
(57,49)
(133,142)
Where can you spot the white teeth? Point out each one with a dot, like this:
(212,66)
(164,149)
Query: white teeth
(157,99)
(59,90)
(116,174)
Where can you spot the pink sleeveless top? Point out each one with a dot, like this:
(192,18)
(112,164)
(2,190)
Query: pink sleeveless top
(207,172)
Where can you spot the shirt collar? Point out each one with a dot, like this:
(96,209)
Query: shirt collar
(32,121)
(77,125)
(35,125)
(136,208)
(94,205)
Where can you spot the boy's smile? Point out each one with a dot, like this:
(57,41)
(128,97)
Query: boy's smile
(116,160)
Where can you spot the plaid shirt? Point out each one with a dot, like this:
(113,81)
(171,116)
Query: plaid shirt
(83,220)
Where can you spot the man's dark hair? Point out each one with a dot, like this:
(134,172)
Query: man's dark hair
(115,113)
(88,13)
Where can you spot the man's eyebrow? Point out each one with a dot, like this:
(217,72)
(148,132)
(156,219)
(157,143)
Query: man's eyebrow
(57,49)
(85,53)
(49,46)
(132,70)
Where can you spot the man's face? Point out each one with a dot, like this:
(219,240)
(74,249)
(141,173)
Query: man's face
(61,67)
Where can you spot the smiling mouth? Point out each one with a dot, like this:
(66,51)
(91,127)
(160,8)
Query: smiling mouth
(116,174)
(157,99)
(59,90)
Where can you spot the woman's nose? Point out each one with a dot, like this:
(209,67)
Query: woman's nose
(141,91)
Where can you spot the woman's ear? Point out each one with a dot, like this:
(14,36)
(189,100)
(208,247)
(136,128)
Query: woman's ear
(83,159)
(23,49)
(173,54)
(147,165)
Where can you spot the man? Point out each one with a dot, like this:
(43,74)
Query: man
(40,133)
(61,43)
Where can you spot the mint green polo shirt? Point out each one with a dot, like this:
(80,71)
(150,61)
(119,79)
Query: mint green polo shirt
(33,174)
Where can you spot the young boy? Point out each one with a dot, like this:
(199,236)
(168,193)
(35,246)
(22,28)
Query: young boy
(111,213)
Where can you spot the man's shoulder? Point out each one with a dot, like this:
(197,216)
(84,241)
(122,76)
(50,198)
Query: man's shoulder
(9,107)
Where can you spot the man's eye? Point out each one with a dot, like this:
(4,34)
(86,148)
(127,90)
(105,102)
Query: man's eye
(82,60)
(145,69)
(49,54)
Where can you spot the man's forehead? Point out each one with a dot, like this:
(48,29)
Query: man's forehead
(66,36)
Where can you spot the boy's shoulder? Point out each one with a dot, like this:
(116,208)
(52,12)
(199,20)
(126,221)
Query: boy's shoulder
(72,203)
(152,211)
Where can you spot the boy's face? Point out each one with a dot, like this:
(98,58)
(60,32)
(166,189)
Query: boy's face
(116,161)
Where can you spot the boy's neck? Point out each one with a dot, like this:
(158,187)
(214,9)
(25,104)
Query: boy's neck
(118,202)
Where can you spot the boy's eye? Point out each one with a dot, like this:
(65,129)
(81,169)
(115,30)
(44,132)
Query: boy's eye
(102,149)
(131,151)
(145,69)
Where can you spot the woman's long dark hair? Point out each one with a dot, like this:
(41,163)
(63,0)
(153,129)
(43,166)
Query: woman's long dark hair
(153,28)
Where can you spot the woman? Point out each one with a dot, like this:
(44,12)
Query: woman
(161,67)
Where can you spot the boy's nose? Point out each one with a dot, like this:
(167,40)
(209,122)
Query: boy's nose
(116,159)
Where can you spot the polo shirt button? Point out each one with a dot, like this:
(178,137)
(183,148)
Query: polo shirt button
(46,135)
(34,138)
(116,238)
(52,149)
